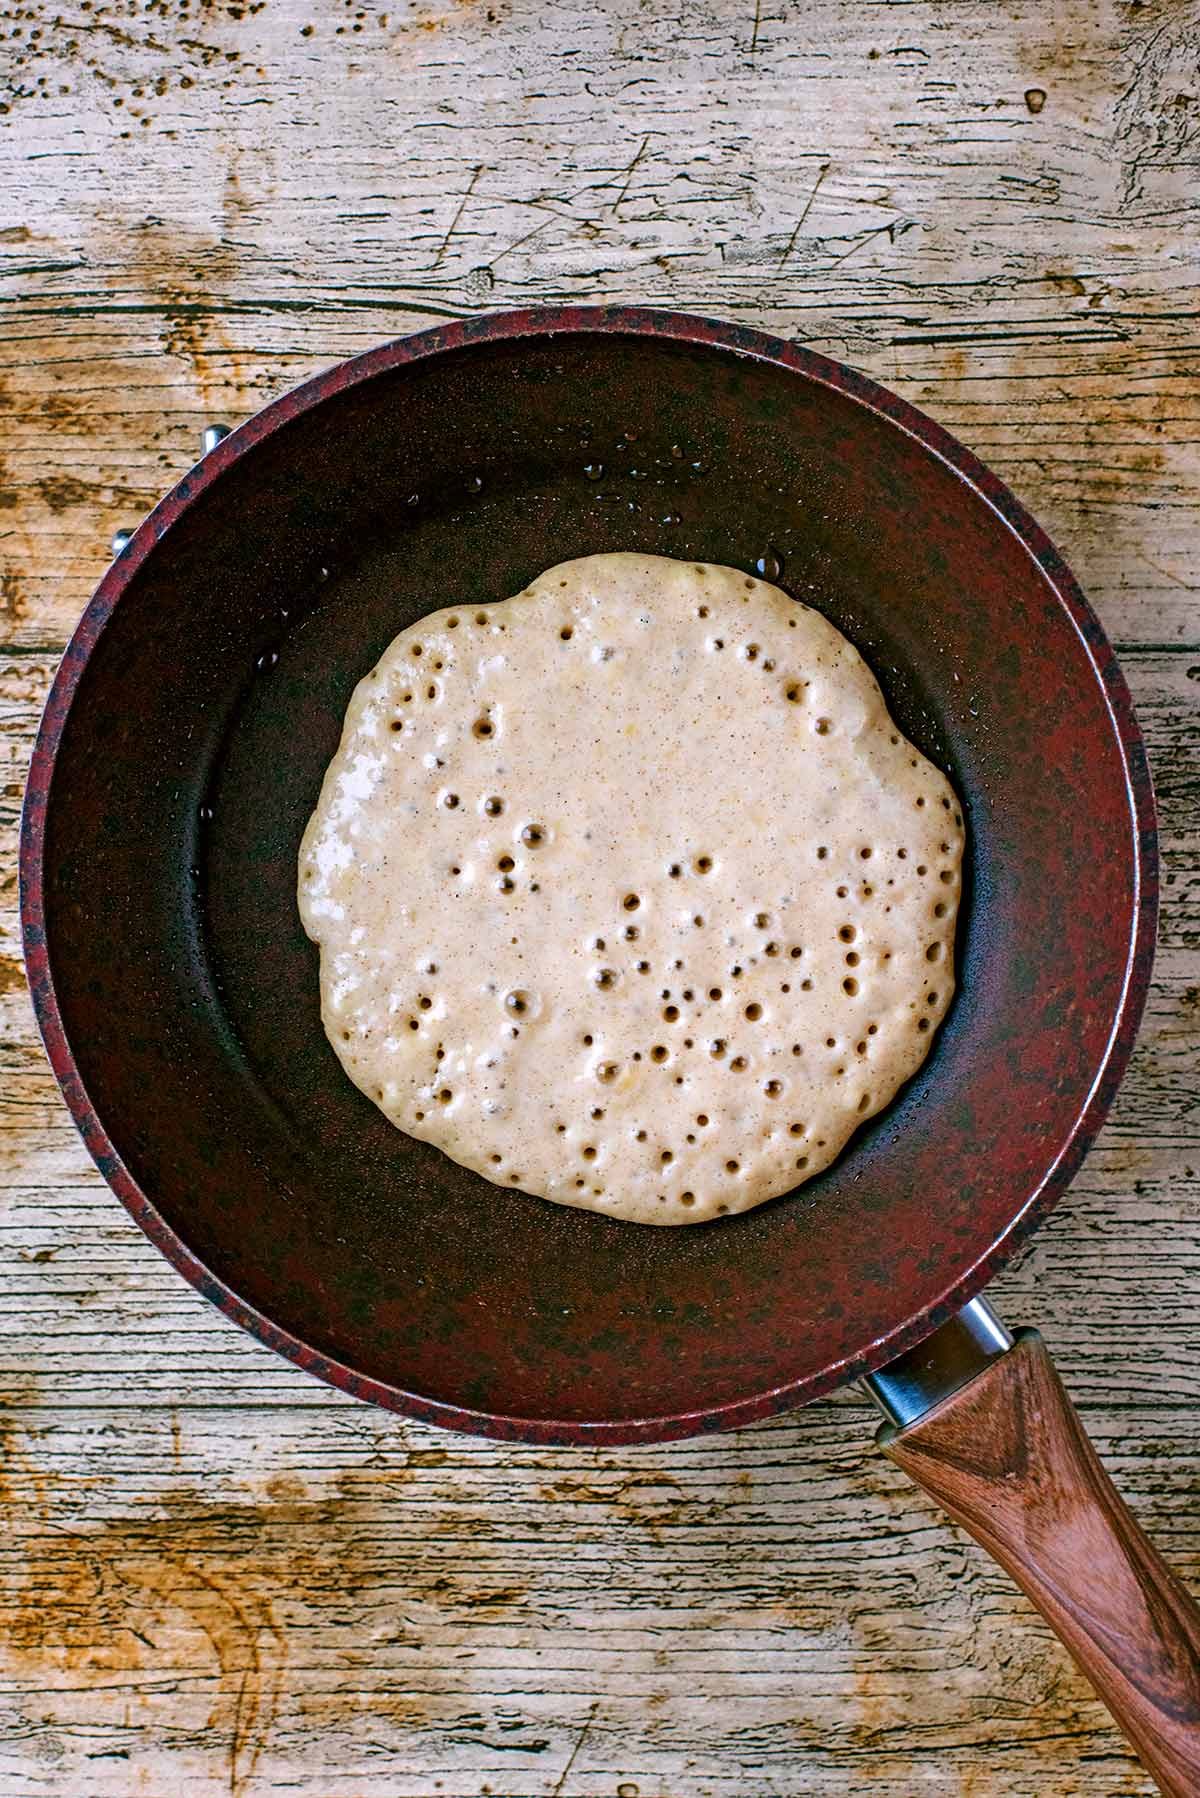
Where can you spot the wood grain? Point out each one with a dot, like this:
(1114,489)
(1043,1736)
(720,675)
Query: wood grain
(217,1576)
(1007,1458)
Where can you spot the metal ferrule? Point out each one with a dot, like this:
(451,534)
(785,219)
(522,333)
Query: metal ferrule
(922,1377)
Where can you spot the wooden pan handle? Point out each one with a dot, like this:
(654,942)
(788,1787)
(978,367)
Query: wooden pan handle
(1007,1457)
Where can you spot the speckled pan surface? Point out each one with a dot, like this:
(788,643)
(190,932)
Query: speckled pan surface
(202,698)
(629,893)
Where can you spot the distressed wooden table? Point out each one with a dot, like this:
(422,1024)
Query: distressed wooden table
(216,1575)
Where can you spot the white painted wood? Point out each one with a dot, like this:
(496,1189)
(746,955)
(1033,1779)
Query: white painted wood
(217,1576)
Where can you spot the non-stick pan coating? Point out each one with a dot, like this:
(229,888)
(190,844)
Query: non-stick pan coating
(181,756)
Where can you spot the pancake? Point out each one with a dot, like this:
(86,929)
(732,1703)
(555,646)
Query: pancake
(628,891)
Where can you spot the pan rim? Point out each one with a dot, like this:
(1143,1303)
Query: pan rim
(690,330)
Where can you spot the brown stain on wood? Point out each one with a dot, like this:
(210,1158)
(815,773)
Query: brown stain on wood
(191,278)
(1062,282)
(61,409)
(195,338)
(1126,1158)
(427,1457)
(497,1601)
(807,1619)
(35,404)
(872,1704)
(9,496)
(621,1495)
(285,1489)
(185,280)
(139,1594)
(447,18)
(19,1472)
(1038,1679)
(65,507)
(12,975)
(63,493)
(131,1597)
(13,604)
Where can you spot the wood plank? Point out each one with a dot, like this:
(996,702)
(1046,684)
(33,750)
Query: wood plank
(770,1611)
(878,188)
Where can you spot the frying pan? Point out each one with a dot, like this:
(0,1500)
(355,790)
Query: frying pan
(180,754)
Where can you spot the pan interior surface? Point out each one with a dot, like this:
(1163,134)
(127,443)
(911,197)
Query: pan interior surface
(191,758)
